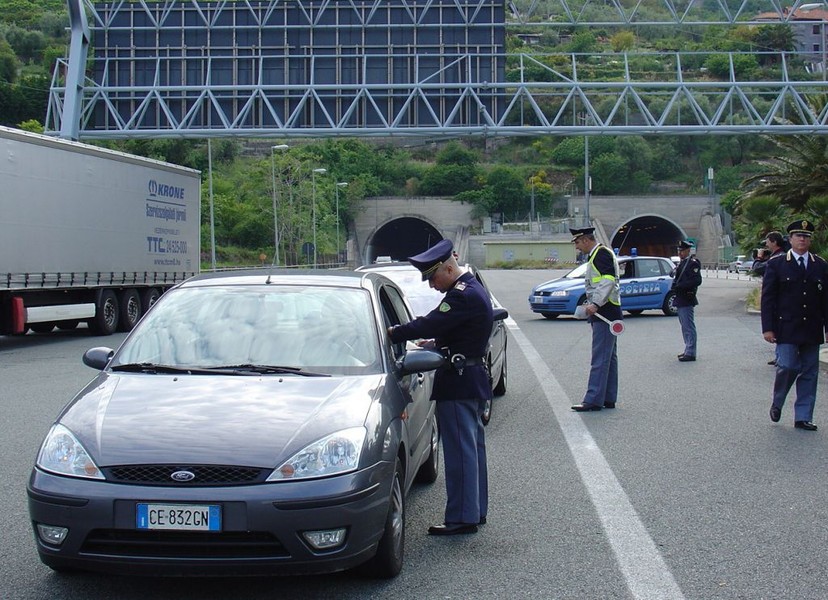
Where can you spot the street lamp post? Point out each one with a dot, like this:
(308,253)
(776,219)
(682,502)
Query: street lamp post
(341,184)
(313,208)
(273,192)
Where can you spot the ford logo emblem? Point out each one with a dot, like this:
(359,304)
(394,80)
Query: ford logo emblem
(182,476)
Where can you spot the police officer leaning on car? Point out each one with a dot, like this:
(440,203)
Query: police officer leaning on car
(460,326)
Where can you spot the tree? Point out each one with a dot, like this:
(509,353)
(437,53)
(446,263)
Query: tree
(799,168)
(8,63)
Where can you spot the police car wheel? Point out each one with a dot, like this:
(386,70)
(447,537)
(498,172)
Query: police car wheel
(669,307)
(551,316)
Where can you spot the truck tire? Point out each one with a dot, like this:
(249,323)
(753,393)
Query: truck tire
(149,297)
(42,327)
(130,312)
(105,321)
(67,325)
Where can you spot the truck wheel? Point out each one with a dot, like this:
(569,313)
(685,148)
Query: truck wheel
(130,310)
(105,321)
(149,297)
(42,327)
(67,325)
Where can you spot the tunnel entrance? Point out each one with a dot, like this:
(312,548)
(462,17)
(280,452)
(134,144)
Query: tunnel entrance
(402,238)
(650,235)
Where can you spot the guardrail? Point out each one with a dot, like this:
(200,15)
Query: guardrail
(719,271)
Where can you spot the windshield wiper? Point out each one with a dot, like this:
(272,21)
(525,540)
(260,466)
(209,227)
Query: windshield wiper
(146,367)
(268,370)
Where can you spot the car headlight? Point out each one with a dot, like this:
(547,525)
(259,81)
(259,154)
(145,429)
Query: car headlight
(63,454)
(332,455)
(559,293)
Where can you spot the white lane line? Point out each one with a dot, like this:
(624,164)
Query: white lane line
(644,569)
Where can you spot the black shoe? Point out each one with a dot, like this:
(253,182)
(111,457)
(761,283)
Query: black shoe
(772,362)
(686,358)
(806,425)
(609,405)
(482,521)
(775,413)
(680,355)
(452,529)
(584,407)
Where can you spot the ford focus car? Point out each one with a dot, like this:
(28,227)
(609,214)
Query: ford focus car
(424,298)
(252,423)
(645,285)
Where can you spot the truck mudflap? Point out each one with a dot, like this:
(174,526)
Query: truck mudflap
(18,315)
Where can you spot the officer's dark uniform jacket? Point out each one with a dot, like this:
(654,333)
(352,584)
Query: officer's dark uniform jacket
(687,281)
(795,303)
(759,267)
(462,323)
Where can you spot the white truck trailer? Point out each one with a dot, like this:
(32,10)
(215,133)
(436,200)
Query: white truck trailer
(90,235)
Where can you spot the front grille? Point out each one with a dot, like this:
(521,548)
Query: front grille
(205,475)
(178,544)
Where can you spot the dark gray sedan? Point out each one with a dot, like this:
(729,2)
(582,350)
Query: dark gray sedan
(251,423)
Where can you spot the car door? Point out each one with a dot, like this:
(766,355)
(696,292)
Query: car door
(643,284)
(497,339)
(415,387)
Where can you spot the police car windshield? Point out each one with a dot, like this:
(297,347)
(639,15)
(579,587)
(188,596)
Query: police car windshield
(578,272)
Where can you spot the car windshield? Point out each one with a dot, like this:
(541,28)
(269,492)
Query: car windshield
(577,272)
(422,297)
(307,329)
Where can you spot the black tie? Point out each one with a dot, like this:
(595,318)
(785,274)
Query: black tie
(802,262)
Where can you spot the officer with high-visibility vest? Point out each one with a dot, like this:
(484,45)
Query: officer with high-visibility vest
(603,293)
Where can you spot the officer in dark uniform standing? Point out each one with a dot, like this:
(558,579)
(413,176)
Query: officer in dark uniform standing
(686,283)
(460,327)
(795,318)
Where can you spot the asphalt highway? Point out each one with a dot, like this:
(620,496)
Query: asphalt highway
(685,491)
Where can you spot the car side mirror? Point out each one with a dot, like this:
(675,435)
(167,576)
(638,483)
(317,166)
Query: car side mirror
(98,357)
(417,361)
(500,314)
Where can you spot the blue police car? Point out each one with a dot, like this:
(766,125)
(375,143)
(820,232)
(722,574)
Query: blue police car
(645,285)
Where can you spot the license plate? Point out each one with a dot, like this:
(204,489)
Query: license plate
(178,517)
(538,299)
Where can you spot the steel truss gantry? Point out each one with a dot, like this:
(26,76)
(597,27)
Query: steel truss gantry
(153,92)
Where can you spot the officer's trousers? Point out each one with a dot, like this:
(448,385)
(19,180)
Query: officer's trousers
(603,374)
(464,456)
(797,363)
(687,321)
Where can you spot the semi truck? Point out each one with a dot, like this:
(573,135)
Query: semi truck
(90,235)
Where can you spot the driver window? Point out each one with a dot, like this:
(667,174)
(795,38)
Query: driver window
(394,313)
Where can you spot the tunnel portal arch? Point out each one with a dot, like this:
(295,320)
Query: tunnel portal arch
(650,235)
(400,238)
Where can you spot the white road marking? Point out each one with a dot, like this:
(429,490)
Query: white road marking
(643,567)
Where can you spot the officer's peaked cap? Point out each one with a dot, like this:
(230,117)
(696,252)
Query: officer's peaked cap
(802,226)
(430,260)
(576,233)
(684,245)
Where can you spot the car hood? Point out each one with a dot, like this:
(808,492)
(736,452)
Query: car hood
(234,420)
(561,283)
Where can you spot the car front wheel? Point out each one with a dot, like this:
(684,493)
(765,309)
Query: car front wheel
(669,307)
(388,560)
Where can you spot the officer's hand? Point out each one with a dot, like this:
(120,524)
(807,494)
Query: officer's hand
(769,337)
(591,309)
